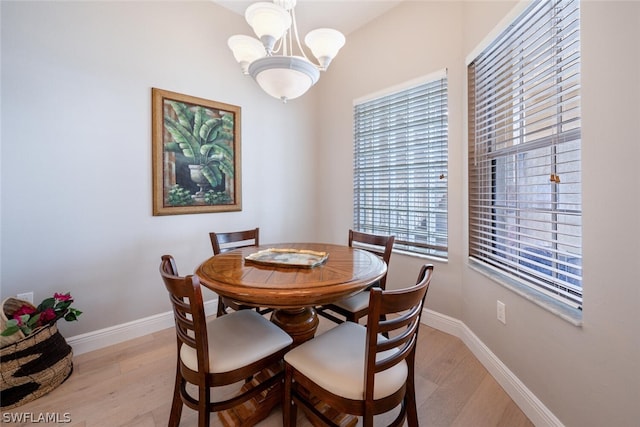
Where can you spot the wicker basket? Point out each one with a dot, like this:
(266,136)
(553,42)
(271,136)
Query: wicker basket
(10,306)
(33,366)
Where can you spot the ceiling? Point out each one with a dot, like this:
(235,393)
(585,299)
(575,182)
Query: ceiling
(343,15)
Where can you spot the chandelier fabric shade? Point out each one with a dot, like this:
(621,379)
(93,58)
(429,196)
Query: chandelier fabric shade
(270,58)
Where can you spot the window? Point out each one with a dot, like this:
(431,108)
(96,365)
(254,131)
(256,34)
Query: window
(400,166)
(525,203)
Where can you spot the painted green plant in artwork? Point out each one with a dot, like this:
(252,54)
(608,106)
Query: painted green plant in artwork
(179,196)
(217,198)
(204,137)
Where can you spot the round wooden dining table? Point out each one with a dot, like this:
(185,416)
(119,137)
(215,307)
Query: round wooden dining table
(292,291)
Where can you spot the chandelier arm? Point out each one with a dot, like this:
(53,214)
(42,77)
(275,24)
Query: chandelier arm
(295,29)
(279,44)
(288,42)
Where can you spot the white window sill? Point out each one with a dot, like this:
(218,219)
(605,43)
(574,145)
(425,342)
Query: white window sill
(565,312)
(422,256)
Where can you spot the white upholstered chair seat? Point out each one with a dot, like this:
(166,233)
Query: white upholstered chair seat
(356,307)
(335,361)
(355,302)
(240,338)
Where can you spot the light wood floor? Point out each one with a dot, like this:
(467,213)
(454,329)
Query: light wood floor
(130,384)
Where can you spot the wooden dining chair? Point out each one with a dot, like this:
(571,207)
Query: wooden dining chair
(225,350)
(356,370)
(223,242)
(355,307)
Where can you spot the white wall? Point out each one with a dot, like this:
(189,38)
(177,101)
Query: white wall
(411,41)
(76,150)
(588,375)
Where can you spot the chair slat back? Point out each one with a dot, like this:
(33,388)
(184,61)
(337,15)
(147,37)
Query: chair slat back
(396,312)
(188,310)
(377,244)
(223,242)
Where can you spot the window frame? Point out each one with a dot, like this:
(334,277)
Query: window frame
(531,282)
(429,237)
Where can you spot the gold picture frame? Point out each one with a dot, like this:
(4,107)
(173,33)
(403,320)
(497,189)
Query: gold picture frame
(196,154)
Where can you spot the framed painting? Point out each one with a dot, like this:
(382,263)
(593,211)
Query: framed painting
(196,155)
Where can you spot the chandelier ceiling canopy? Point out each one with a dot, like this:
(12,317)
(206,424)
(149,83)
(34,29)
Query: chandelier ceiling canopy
(270,59)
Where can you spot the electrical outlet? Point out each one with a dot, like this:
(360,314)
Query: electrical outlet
(27,296)
(502,312)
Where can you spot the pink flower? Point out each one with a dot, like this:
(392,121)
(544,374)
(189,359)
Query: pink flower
(28,317)
(46,316)
(62,297)
(25,309)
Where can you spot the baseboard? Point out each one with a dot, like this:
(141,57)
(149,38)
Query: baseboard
(533,408)
(119,333)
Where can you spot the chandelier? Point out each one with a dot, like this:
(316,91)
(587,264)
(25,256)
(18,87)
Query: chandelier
(271,60)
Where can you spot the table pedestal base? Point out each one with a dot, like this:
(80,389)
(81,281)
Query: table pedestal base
(299,323)
(258,408)
(342,420)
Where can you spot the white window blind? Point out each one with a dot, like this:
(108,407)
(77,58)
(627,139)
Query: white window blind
(400,167)
(525,204)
